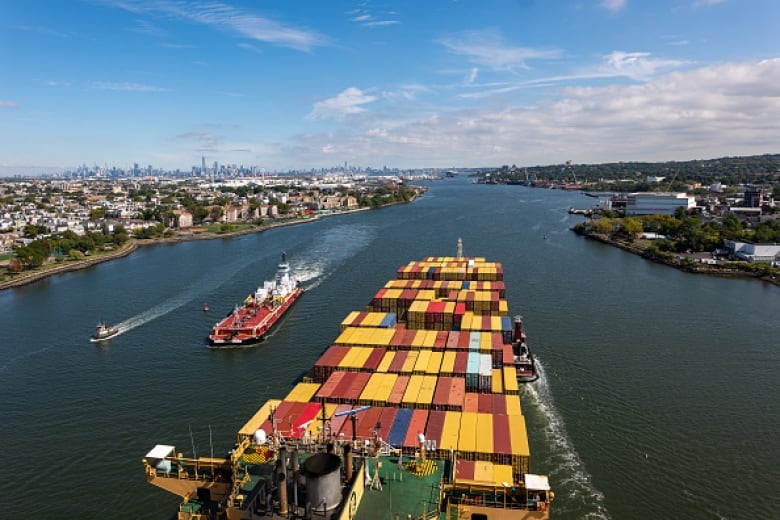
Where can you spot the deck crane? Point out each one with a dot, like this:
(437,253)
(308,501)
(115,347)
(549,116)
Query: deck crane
(669,186)
(565,167)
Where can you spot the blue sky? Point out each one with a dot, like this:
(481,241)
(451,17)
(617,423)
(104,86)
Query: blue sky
(436,83)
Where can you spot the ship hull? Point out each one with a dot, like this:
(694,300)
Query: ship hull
(250,324)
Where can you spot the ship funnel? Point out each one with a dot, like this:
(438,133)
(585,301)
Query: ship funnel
(518,320)
(323,480)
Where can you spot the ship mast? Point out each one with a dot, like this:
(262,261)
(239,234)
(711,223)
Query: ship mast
(460,248)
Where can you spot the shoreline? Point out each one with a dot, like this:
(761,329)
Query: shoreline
(687,268)
(30,277)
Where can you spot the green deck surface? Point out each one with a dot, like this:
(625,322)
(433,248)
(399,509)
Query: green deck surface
(402,493)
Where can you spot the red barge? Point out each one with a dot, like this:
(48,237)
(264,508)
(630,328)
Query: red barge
(248,324)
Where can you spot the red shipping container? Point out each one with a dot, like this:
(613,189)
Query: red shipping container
(457,393)
(499,403)
(453,338)
(398,362)
(435,426)
(358,384)
(441,396)
(501,440)
(461,361)
(374,359)
(397,393)
(471,402)
(336,423)
(463,342)
(328,388)
(416,427)
(367,421)
(485,404)
(507,357)
(441,340)
(464,469)
(341,391)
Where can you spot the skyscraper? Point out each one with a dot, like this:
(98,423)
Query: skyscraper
(202,165)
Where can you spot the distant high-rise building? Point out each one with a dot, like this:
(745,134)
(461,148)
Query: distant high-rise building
(202,165)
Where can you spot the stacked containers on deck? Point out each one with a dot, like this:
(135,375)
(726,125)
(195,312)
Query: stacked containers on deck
(432,354)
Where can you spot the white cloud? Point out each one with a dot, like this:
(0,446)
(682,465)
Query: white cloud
(366,19)
(8,104)
(227,18)
(348,102)
(488,49)
(726,109)
(613,5)
(472,77)
(706,3)
(635,65)
(127,87)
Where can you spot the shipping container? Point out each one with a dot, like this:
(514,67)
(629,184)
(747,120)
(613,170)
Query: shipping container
(399,388)
(303,392)
(467,436)
(448,363)
(416,427)
(513,405)
(409,399)
(450,432)
(502,445)
(400,427)
(484,436)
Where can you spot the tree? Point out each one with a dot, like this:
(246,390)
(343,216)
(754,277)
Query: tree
(632,227)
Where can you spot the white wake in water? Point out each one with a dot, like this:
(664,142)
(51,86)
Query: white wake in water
(568,478)
(323,258)
(208,283)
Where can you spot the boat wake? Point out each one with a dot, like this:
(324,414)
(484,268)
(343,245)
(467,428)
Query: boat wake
(337,245)
(211,281)
(570,480)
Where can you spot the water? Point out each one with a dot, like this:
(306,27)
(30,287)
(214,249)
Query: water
(658,395)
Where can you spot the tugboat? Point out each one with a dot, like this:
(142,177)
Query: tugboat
(104,332)
(248,324)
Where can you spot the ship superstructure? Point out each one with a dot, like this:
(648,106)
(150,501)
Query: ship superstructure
(413,411)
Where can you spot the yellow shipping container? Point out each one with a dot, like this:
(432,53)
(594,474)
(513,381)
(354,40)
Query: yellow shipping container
(503,308)
(349,319)
(373,319)
(257,420)
(483,472)
(467,437)
(386,385)
(419,340)
(392,294)
(434,364)
(430,339)
(427,388)
(387,359)
(448,362)
(369,391)
(484,441)
(411,359)
(422,361)
(302,392)
(495,323)
(502,473)
(513,406)
(426,295)
(450,431)
(496,382)
(518,436)
(412,391)
(348,361)
(362,356)
(485,342)
(510,380)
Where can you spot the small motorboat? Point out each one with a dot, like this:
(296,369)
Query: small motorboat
(103,332)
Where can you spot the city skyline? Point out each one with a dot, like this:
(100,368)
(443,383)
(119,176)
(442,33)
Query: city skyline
(398,84)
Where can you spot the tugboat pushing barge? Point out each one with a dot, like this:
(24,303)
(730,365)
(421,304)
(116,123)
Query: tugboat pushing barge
(412,412)
(248,324)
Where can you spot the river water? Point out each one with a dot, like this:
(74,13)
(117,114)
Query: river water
(659,394)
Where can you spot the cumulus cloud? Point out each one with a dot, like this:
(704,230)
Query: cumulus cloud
(349,102)
(726,109)
(487,48)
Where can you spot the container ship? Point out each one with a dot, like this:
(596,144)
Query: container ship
(249,323)
(413,411)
